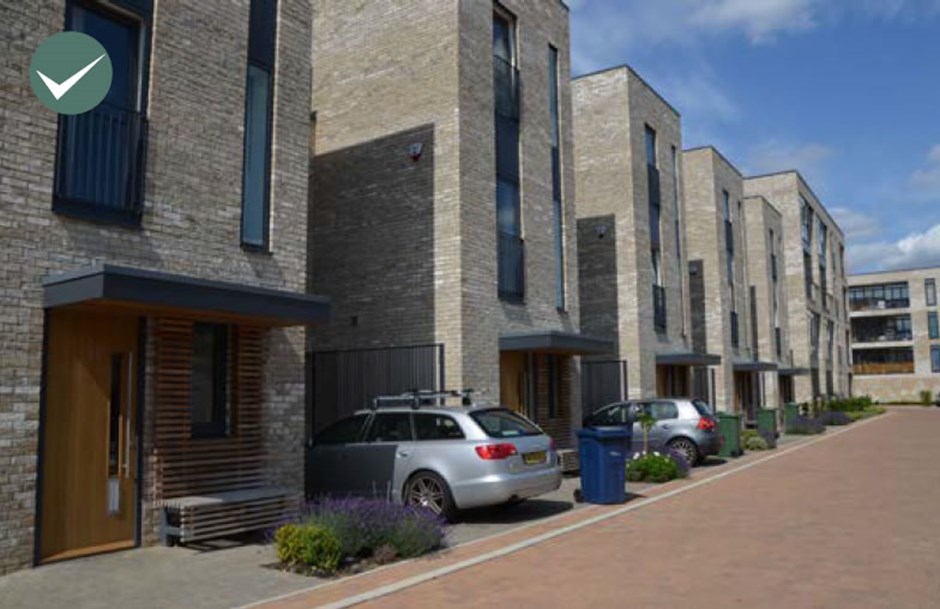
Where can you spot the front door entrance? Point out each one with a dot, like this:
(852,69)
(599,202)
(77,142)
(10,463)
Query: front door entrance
(512,380)
(89,464)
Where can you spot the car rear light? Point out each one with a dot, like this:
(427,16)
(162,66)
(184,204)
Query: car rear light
(706,424)
(551,445)
(496,451)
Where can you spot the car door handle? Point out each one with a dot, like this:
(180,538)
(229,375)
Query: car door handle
(404,453)
(665,426)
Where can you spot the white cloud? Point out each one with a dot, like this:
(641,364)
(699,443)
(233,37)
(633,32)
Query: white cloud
(926,180)
(699,96)
(773,155)
(918,249)
(855,225)
(760,20)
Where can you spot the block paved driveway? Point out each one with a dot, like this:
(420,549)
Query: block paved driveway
(851,520)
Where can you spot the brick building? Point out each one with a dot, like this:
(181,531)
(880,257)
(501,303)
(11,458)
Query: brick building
(441,216)
(153,270)
(724,296)
(631,253)
(815,278)
(895,334)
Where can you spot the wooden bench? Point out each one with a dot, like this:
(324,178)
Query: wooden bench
(200,517)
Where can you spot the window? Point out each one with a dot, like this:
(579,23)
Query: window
(557,206)
(650,139)
(100,155)
(390,427)
(806,224)
(256,171)
(209,399)
(615,414)
(933,329)
(662,411)
(930,292)
(510,246)
(935,358)
(808,275)
(430,426)
(344,431)
(554,385)
(729,237)
(502,423)
(678,230)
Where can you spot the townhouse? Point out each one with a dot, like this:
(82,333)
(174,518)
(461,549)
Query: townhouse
(814,274)
(725,300)
(441,213)
(631,243)
(153,272)
(895,334)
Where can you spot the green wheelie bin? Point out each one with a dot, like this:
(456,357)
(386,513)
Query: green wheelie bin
(767,421)
(729,426)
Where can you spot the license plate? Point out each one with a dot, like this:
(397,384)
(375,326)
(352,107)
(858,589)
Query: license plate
(534,458)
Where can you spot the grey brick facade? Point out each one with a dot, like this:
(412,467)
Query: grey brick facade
(828,370)
(611,110)
(406,243)
(190,223)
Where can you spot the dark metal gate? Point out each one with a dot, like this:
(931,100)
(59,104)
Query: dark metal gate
(602,383)
(345,381)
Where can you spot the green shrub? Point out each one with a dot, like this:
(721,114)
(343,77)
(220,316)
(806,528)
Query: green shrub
(756,442)
(652,467)
(926,397)
(853,404)
(872,411)
(308,545)
(747,434)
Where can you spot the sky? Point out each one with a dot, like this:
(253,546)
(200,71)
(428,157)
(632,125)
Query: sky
(845,91)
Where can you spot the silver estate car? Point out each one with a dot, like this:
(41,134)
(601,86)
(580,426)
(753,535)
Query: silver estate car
(446,458)
(686,425)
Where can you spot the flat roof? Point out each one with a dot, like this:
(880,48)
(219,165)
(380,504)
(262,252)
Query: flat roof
(555,341)
(688,358)
(628,68)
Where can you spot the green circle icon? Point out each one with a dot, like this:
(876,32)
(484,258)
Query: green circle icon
(70,73)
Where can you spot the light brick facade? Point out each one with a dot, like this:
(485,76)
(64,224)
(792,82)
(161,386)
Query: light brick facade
(896,387)
(190,223)
(828,370)
(406,242)
(611,110)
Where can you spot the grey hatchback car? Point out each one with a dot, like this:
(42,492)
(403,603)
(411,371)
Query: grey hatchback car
(686,425)
(445,458)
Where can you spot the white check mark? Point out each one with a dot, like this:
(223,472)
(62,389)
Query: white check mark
(57,89)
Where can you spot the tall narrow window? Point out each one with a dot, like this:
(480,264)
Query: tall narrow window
(557,207)
(678,230)
(935,358)
(510,246)
(930,292)
(729,236)
(209,393)
(933,328)
(100,163)
(256,172)
(655,215)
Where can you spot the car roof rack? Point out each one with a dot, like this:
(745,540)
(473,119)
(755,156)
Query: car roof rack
(417,398)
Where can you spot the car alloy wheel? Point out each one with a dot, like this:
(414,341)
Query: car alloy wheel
(426,491)
(686,448)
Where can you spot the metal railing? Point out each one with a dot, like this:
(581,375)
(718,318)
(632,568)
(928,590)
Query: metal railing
(511,272)
(659,308)
(655,205)
(874,304)
(506,88)
(886,335)
(101,160)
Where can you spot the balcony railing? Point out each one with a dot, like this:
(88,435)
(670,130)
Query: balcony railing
(874,304)
(506,88)
(882,336)
(511,272)
(884,368)
(659,308)
(101,163)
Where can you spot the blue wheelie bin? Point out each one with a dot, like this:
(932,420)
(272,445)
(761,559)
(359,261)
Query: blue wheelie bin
(603,455)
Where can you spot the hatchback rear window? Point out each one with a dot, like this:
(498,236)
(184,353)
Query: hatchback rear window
(502,423)
(703,409)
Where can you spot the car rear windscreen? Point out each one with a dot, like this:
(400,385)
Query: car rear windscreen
(503,423)
(703,409)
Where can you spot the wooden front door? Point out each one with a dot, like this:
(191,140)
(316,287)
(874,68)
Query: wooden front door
(512,380)
(89,460)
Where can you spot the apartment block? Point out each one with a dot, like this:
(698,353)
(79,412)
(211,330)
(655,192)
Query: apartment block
(724,298)
(153,297)
(815,278)
(631,241)
(895,334)
(441,213)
